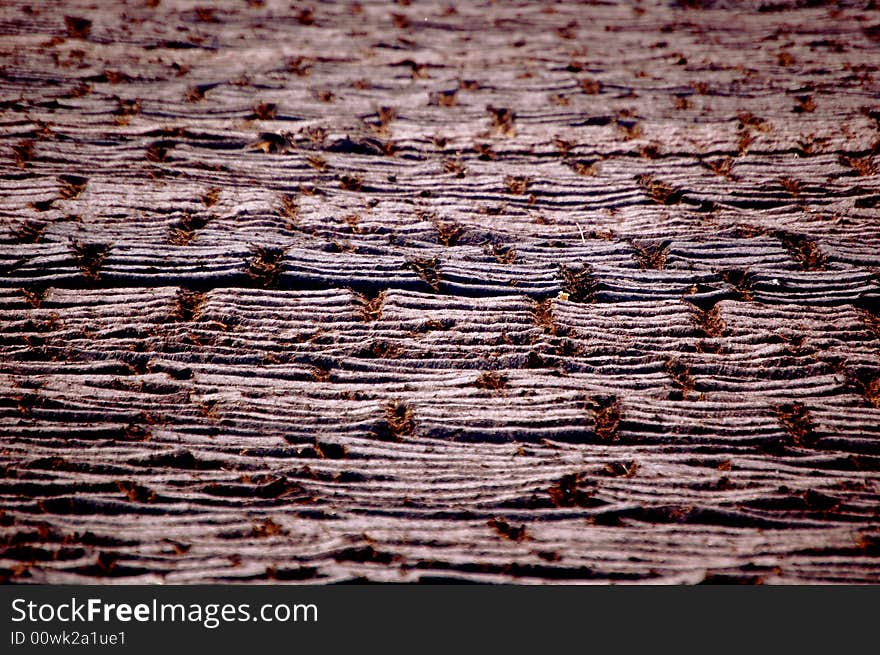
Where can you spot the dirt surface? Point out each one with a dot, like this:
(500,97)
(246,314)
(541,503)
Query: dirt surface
(432,292)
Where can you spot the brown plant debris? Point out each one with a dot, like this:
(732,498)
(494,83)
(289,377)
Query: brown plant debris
(455,167)
(265,266)
(398,422)
(71,186)
(629,129)
(590,86)
(184,231)
(364,554)
(427,270)
(620,469)
(651,255)
(572,490)
(658,191)
(270,143)
(680,374)
(288,205)
(157,152)
(267,528)
(77,27)
(709,322)
(317,162)
(584,167)
(606,411)
(579,283)
(35,295)
(370,306)
(211,196)
(449,232)
(741,281)
(300,66)
(803,249)
(748,119)
(446,98)
(798,423)
(791,185)
(266,111)
(867,383)
(805,105)
(23,151)
(542,315)
(864,166)
(508,531)
(29,231)
(90,257)
(136,493)
(517,184)
(491,380)
(722,167)
(502,253)
(744,141)
(125,109)
(503,121)
(188,304)
(351,182)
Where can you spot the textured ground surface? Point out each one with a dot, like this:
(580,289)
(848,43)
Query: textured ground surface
(496,292)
